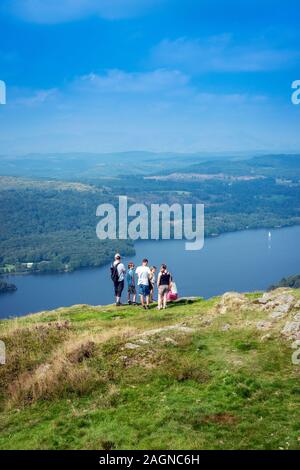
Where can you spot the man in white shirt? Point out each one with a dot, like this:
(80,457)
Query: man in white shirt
(118,274)
(143,273)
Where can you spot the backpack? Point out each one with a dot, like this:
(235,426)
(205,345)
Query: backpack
(114,274)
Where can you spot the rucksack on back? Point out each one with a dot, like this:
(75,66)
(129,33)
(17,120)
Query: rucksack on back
(114,274)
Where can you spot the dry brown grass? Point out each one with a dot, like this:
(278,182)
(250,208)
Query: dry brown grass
(59,374)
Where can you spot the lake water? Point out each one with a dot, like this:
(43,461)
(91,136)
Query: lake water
(240,261)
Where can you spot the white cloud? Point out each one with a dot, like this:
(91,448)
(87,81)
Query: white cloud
(220,54)
(60,11)
(157,89)
(229,98)
(119,81)
(37,97)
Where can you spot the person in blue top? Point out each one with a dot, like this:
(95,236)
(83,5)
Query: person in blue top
(131,284)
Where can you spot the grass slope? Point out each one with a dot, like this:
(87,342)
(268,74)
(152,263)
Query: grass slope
(186,378)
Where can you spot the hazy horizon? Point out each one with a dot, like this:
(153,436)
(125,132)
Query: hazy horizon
(153,75)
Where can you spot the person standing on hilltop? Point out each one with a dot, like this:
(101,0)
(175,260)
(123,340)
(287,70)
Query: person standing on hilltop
(117,275)
(164,282)
(152,282)
(131,291)
(143,273)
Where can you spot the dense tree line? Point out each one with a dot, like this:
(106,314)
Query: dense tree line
(53,226)
(291,281)
(7,287)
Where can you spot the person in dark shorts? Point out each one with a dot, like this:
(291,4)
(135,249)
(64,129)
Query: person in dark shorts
(131,291)
(118,275)
(164,281)
(143,273)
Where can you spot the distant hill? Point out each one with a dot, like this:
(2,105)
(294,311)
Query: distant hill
(92,165)
(272,166)
(291,281)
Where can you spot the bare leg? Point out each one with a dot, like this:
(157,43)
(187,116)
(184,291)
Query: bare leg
(142,300)
(147,300)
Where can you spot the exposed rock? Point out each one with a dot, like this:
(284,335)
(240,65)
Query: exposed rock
(279,300)
(185,329)
(231,301)
(143,341)
(266,337)
(225,327)
(296,355)
(267,296)
(297,317)
(285,298)
(291,329)
(280,311)
(283,308)
(171,341)
(296,344)
(276,315)
(181,328)
(131,346)
(263,325)
(187,300)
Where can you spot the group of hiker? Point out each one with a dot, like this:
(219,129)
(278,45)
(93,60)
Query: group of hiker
(146,283)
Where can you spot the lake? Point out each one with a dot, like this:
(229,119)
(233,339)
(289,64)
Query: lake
(241,261)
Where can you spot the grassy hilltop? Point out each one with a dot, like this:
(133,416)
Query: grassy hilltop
(213,374)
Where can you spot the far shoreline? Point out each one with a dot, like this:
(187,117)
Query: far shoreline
(106,263)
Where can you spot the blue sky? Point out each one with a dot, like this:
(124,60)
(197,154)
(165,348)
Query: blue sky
(161,75)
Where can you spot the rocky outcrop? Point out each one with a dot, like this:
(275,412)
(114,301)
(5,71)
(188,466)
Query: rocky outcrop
(231,301)
(279,303)
(291,329)
(281,308)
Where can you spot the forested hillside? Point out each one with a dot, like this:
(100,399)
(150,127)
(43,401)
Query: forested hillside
(52,223)
(51,226)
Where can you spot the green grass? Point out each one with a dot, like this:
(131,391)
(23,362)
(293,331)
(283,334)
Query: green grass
(201,389)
